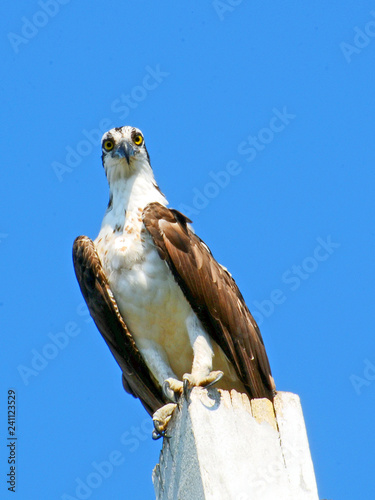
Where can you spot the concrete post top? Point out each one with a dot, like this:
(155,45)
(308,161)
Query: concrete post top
(224,446)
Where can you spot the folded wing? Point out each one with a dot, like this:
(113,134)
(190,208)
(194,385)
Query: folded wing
(137,379)
(213,295)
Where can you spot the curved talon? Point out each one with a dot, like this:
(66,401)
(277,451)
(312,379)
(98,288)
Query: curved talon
(168,393)
(172,389)
(218,374)
(186,388)
(157,435)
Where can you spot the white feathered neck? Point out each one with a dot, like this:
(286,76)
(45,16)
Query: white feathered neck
(132,187)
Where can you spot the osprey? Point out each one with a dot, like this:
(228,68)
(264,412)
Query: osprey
(171,315)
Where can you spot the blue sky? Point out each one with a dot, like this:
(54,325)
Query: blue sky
(259,120)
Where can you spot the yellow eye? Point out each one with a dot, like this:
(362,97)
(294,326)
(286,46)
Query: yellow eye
(108,145)
(138,139)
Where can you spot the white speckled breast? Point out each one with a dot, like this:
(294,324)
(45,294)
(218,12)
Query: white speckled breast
(150,301)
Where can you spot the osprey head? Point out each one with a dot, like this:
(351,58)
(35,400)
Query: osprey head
(123,150)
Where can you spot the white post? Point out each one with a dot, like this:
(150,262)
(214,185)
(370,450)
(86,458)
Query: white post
(224,447)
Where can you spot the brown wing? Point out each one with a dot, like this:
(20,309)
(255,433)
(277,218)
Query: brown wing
(137,379)
(213,295)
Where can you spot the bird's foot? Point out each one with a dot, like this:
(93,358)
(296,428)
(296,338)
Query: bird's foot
(190,380)
(161,419)
(172,389)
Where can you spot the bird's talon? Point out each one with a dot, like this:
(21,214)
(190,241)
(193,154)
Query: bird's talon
(186,388)
(156,435)
(169,394)
(172,389)
(216,377)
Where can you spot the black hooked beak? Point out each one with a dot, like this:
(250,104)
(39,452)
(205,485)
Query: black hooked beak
(124,150)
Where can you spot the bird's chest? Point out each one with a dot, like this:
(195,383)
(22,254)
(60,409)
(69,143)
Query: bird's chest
(148,297)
